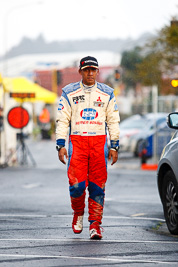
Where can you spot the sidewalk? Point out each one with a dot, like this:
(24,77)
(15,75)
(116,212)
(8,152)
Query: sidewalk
(127,161)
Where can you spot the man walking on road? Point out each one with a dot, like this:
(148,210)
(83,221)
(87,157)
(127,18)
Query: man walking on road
(87,107)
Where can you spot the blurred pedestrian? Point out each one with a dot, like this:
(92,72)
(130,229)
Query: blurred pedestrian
(44,116)
(87,107)
(44,122)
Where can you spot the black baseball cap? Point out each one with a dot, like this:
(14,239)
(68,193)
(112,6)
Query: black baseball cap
(88,62)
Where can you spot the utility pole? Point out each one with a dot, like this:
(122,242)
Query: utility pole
(155,111)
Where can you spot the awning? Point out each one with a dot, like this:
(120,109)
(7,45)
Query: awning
(1,93)
(23,85)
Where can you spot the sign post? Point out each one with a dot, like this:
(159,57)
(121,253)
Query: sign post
(18,118)
(155,110)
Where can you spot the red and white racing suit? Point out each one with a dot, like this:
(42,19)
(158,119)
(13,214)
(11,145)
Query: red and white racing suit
(87,112)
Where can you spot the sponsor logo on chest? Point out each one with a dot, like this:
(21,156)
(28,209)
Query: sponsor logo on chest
(89,114)
(98,102)
(78,99)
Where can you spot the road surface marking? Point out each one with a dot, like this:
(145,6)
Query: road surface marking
(29,186)
(135,218)
(70,216)
(138,214)
(88,240)
(86,258)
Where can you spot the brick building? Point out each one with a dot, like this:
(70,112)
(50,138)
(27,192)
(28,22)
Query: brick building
(55,80)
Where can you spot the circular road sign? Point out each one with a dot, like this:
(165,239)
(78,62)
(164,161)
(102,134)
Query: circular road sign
(18,117)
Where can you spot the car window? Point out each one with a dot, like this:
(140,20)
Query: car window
(144,122)
(133,124)
(160,121)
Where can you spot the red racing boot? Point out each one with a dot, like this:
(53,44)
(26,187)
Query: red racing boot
(77,223)
(95,231)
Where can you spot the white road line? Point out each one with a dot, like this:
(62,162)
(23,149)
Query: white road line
(70,216)
(36,215)
(86,258)
(88,240)
(138,214)
(29,186)
(135,218)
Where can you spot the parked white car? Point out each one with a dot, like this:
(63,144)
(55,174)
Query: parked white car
(128,128)
(137,128)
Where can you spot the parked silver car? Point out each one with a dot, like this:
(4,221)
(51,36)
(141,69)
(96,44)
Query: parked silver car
(167,177)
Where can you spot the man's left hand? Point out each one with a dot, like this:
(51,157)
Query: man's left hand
(114,155)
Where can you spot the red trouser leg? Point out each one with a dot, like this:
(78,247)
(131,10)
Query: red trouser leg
(97,177)
(77,172)
(87,167)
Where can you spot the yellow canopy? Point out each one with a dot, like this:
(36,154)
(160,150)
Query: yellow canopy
(1,93)
(23,85)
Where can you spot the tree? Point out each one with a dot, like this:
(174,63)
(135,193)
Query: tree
(165,46)
(148,71)
(129,61)
(148,64)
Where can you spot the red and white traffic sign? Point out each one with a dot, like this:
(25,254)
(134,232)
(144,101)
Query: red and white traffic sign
(18,117)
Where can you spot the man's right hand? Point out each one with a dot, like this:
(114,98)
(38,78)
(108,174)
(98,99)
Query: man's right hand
(61,153)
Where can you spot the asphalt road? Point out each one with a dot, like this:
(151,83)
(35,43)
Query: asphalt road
(35,217)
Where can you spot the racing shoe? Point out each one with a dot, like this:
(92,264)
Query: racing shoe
(77,223)
(95,230)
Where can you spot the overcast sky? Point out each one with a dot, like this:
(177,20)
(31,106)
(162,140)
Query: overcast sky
(79,19)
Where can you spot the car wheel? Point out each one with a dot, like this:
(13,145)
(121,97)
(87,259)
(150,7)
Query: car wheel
(170,202)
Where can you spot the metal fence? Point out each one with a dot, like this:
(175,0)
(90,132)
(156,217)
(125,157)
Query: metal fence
(166,104)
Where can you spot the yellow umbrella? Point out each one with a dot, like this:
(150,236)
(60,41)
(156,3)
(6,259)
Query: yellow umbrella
(23,85)
(1,93)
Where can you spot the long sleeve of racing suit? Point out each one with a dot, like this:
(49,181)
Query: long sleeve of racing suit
(112,120)
(63,119)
